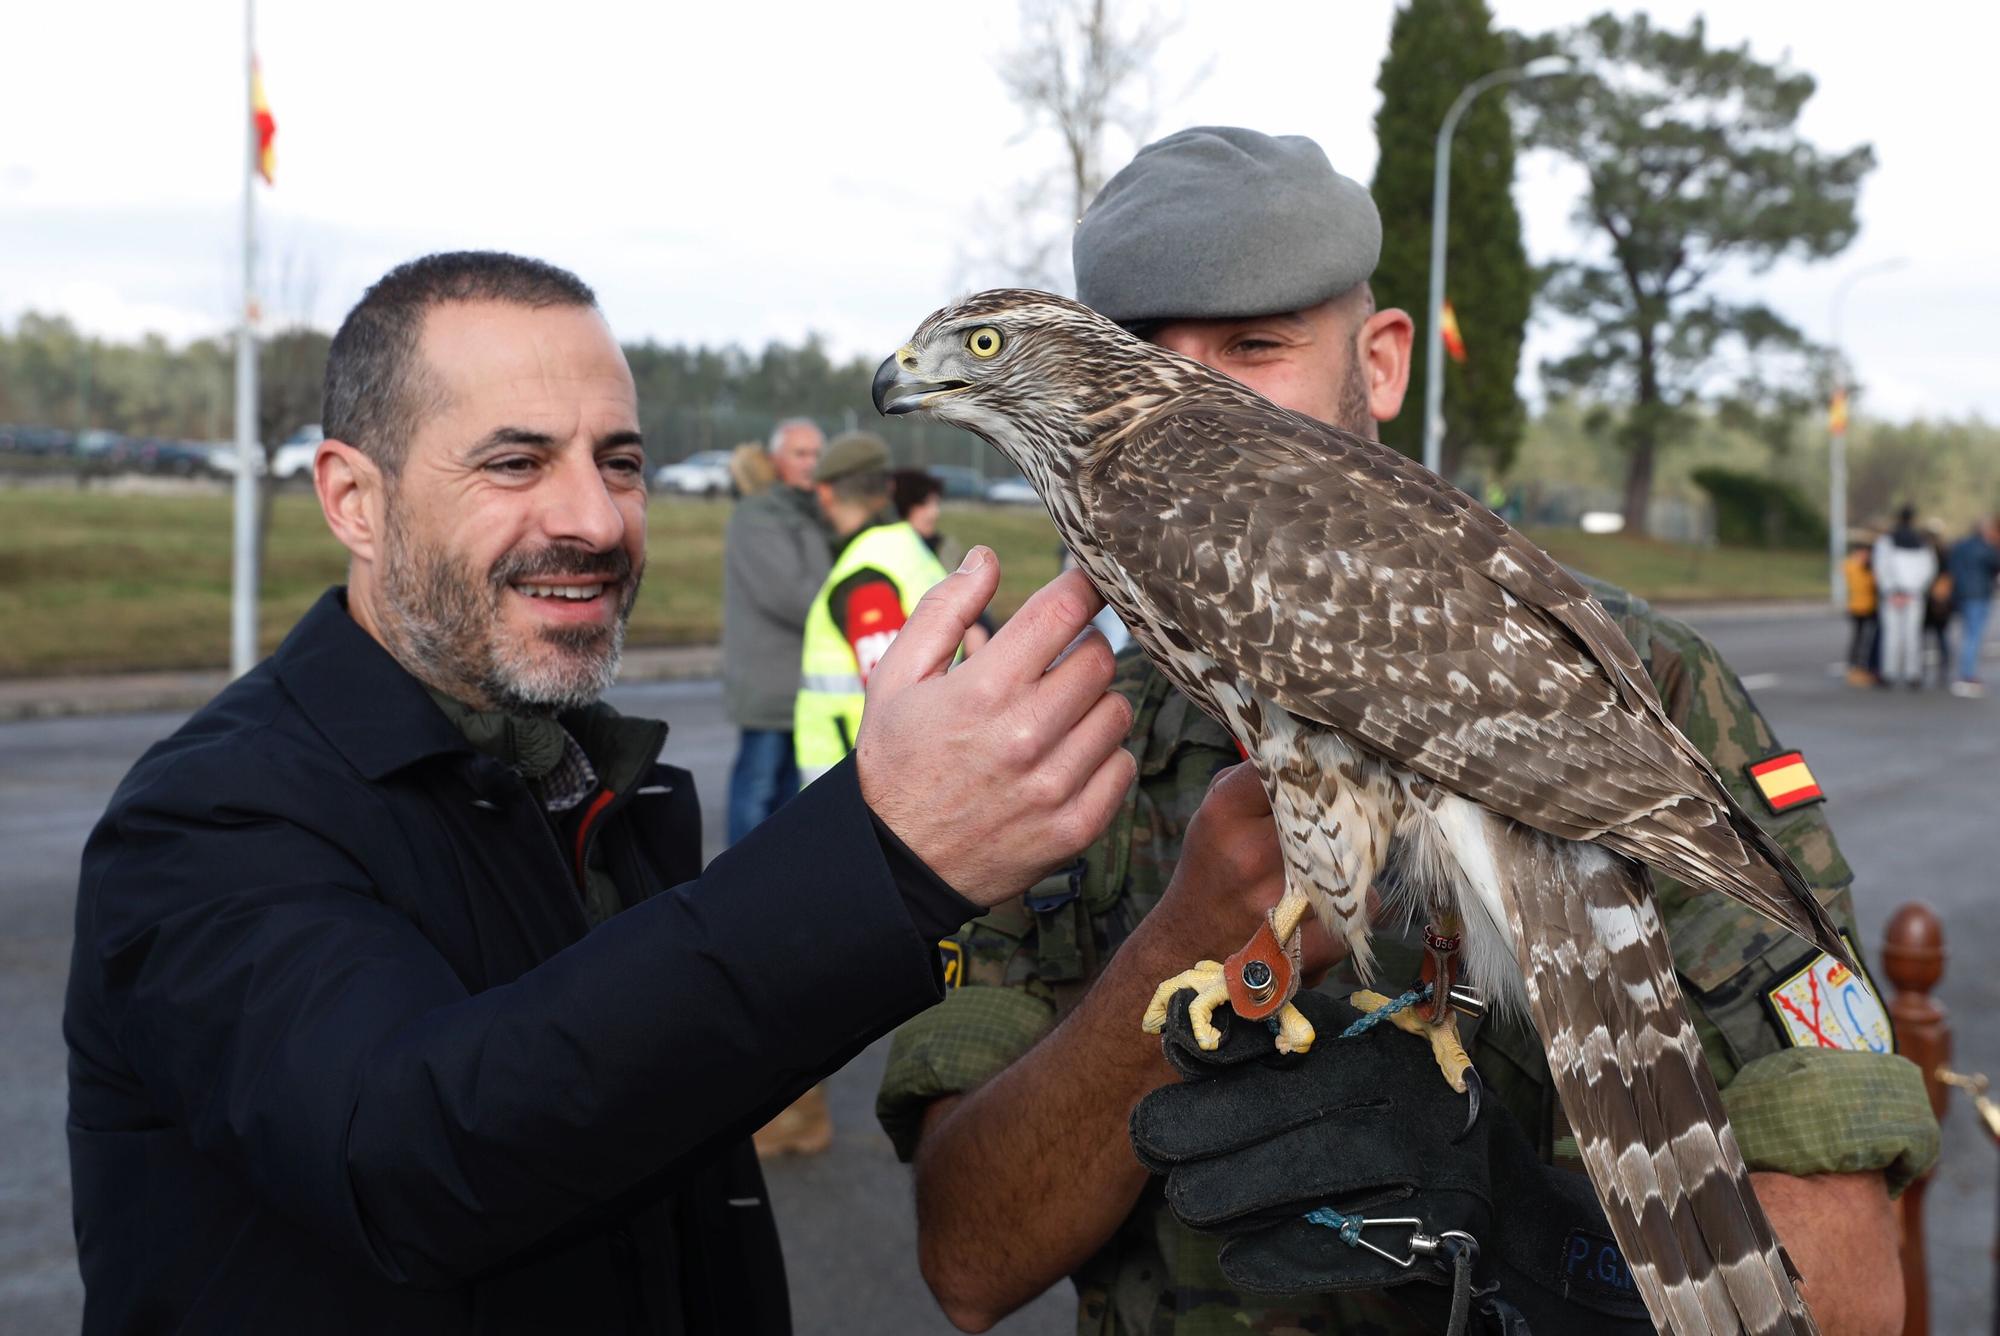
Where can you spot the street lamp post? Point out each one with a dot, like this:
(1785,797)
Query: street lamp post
(1440,198)
(1836,433)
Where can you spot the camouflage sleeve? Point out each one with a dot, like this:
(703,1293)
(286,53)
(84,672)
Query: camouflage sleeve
(1011,974)
(995,1009)
(1827,1111)
(1807,1093)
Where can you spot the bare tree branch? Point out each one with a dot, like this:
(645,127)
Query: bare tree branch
(1082,71)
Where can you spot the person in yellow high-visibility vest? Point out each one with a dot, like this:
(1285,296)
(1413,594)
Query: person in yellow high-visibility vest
(881,567)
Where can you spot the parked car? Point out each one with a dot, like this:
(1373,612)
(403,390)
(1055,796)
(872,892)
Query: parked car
(98,443)
(102,452)
(183,459)
(295,457)
(960,483)
(222,458)
(1012,492)
(172,459)
(705,473)
(41,441)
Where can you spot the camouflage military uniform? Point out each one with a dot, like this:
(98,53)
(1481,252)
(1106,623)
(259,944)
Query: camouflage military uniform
(1796,1110)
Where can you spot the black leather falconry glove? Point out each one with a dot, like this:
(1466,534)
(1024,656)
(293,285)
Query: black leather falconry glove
(1364,1133)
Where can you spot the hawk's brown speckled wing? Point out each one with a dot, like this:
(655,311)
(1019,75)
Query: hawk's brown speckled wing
(1356,590)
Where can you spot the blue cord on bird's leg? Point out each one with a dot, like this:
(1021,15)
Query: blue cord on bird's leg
(1369,1020)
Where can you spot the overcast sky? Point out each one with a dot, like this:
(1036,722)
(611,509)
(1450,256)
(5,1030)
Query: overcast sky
(753,171)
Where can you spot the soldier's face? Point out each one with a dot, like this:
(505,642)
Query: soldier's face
(514,538)
(1335,362)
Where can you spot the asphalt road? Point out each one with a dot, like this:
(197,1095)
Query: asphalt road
(1911,779)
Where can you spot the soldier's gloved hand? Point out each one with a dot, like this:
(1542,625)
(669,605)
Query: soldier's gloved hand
(1252,1141)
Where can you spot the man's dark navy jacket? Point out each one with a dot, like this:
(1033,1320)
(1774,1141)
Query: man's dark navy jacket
(344,1058)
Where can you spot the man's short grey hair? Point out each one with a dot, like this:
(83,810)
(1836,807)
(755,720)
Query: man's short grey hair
(778,432)
(378,386)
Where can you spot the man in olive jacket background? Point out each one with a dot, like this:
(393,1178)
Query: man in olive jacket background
(399,1000)
(775,553)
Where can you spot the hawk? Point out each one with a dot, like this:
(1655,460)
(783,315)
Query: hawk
(1417,682)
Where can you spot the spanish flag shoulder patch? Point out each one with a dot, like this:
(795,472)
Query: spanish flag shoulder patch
(1784,782)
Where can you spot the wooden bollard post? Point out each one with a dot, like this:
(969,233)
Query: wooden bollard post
(1913,958)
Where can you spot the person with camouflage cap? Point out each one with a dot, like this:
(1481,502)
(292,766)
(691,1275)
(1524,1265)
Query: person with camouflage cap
(1012,1097)
(881,567)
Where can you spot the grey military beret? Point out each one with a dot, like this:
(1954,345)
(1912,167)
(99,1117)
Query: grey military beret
(851,453)
(1217,221)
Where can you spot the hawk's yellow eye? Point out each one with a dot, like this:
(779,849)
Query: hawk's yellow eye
(983,342)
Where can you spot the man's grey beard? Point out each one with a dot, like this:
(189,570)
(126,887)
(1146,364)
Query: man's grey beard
(1352,412)
(441,620)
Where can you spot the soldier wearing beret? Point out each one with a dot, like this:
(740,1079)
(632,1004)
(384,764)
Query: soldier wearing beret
(1012,1098)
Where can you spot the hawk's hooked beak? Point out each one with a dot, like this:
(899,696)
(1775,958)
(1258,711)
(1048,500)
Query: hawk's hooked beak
(898,391)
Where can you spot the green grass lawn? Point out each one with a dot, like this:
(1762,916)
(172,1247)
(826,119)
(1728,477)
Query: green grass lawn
(91,582)
(1679,573)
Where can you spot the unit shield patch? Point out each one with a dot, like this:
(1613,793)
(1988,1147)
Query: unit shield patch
(1826,1005)
(1784,782)
(953,954)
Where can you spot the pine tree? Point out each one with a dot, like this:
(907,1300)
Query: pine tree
(1695,166)
(1436,48)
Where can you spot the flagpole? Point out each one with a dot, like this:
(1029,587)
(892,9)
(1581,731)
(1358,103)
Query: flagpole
(243,587)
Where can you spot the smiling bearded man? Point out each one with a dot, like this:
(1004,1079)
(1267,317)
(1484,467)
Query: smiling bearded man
(473,600)
(401,999)
(442,617)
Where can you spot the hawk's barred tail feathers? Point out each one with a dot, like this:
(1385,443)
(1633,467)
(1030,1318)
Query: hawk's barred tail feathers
(1637,1092)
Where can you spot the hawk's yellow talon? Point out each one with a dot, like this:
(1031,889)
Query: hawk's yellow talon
(1368,1001)
(1295,1032)
(1210,992)
(1450,1053)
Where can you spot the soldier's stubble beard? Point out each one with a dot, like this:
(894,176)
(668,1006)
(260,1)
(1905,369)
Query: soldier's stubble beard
(1353,415)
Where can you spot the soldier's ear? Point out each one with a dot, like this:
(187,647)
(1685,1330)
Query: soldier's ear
(1382,350)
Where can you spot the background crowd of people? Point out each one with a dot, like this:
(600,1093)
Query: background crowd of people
(1910,591)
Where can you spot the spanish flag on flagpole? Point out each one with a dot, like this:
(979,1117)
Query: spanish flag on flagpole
(266,126)
(1454,342)
(1836,412)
